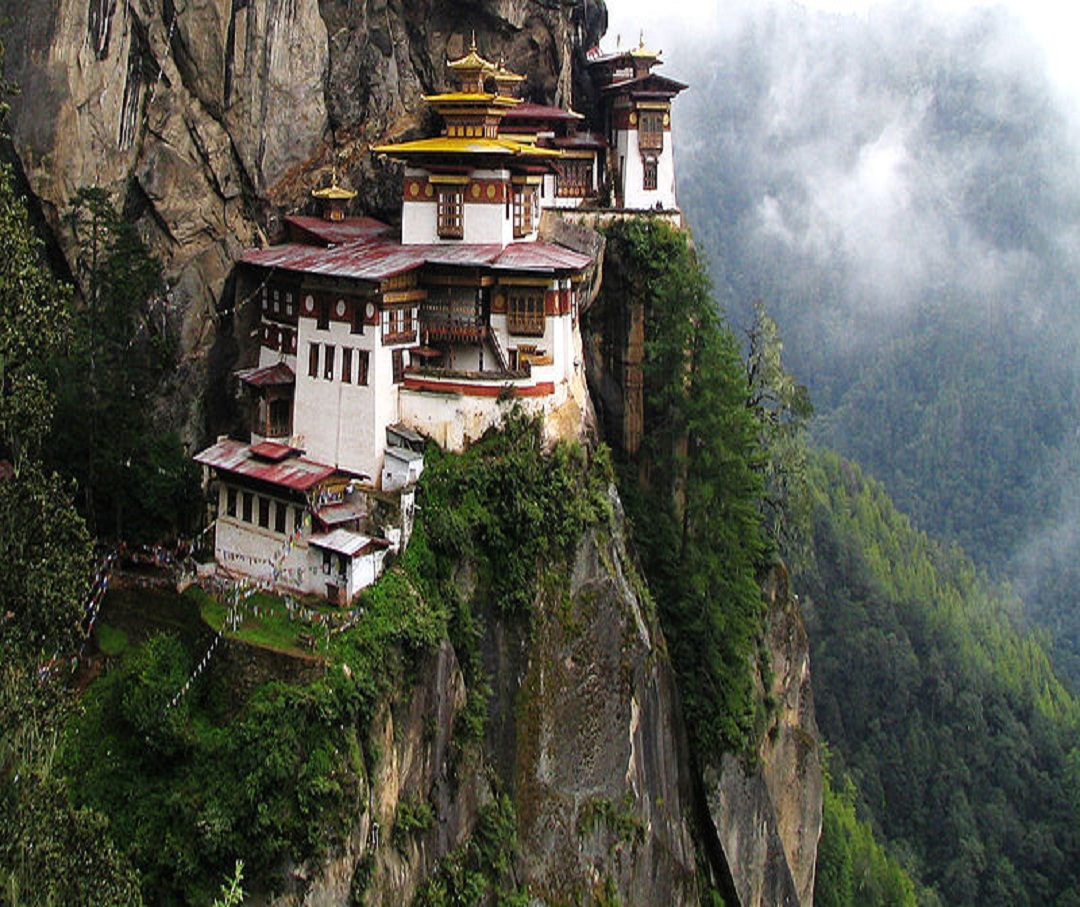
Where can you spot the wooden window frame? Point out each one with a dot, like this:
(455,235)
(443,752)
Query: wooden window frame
(230,502)
(651,130)
(313,360)
(346,365)
(264,512)
(247,505)
(322,309)
(362,367)
(525,316)
(525,204)
(280,511)
(328,362)
(451,212)
(650,174)
(398,359)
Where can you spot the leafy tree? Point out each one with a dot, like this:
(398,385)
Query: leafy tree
(693,490)
(783,409)
(852,868)
(34,328)
(136,482)
(49,852)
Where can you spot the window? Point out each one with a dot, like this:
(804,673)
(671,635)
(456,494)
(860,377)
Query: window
(328,363)
(399,366)
(361,366)
(246,516)
(524,206)
(346,364)
(525,314)
(323,322)
(279,517)
(574,178)
(230,502)
(451,222)
(648,180)
(264,512)
(313,360)
(357,326)
(298,519)
(398,326)
(651,130)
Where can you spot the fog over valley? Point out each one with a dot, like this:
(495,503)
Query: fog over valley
(901,186)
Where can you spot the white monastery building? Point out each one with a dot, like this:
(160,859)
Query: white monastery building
(373,343)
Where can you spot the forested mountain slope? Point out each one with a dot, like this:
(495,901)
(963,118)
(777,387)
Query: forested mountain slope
(952,724)
(900,189)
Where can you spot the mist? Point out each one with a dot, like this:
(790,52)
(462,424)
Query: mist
(902,188)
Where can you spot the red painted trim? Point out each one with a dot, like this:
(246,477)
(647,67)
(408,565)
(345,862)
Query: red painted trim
(540,389)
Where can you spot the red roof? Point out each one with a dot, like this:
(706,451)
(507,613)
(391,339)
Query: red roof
(335,233)
(378,259)
(276,375)
(650,83)
(579,140)
(272,450)
(540,112)
(236,458)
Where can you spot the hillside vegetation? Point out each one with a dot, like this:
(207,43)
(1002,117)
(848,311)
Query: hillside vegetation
(951,722)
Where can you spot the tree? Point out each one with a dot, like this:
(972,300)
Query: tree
(136,482)
(49,852)
(34,329)
(693,490)
(782,407)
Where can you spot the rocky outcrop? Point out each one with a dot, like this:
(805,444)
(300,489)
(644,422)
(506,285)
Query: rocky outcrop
(767,814)
(583,734)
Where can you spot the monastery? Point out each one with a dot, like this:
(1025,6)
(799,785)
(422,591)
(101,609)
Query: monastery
(371,343)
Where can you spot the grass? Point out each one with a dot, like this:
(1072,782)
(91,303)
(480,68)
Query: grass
(266,622)
(112,641)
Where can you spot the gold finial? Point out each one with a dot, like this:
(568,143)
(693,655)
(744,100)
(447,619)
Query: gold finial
(472,46)
(641,40)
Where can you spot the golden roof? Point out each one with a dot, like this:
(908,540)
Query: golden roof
(334,192)
(641,50)
(471,98)
(447,145)
(472,61)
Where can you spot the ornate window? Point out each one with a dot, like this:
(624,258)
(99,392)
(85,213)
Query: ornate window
(524,210)
(451,213)
(651,130)
(399,325)
(648,179)
(525,314)
(574,177)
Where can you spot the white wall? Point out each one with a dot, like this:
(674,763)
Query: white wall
(633,172)
(337,423)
